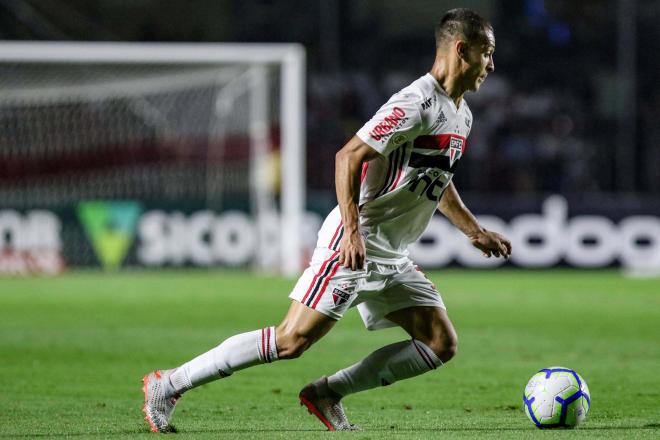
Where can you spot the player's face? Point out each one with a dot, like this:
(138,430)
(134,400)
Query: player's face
(479,60)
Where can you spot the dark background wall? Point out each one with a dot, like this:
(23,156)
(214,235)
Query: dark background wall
(572,107)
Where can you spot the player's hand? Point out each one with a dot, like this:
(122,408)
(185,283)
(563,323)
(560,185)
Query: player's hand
(491,243)
(352,251)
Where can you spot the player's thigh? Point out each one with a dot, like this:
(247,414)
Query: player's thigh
(308,318)
(323,293)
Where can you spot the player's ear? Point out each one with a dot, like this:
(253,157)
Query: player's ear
(461,49)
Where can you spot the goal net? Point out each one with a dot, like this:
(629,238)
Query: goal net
(155,154)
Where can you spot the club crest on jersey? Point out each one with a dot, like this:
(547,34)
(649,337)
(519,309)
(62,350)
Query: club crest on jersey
(398,139)
(455,150)
(339,296)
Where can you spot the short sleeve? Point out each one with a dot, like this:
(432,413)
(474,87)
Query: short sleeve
(395,123)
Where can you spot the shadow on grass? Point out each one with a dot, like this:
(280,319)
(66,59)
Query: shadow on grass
(133,432)
(649,426)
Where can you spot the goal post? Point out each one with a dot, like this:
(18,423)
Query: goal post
(254,60)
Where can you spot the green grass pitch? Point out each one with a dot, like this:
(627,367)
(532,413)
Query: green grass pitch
(73,350)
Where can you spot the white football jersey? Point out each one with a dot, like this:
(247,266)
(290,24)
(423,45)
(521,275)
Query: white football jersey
(421,137)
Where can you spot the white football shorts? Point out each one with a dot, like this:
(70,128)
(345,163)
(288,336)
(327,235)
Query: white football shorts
(377,290)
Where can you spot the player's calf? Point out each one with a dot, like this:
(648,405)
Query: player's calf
(163,388)
(385,366)
(301,327)
(292,344)
(233,354)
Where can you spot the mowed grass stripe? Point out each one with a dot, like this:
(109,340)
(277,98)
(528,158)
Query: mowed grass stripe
(73,350)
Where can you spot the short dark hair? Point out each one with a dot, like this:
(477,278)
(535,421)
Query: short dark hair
(460,22)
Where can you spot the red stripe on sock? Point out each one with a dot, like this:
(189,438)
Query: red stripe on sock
(263,345)
(268,345)
(424,356)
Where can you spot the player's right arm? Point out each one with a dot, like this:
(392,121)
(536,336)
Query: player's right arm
(397,121)
(348,167)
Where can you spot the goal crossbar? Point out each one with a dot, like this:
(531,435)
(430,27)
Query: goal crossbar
(290,56)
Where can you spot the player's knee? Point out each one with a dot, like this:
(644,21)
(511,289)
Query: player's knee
(444,346)
(448,352)
(291,345)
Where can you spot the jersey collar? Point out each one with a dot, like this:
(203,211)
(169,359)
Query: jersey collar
(442,91)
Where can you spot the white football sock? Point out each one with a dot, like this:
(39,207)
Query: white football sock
(384,367)
(233,354)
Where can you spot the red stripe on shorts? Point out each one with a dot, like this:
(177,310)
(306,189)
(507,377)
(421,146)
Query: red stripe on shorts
(311,285)
(327,280)
(332,240)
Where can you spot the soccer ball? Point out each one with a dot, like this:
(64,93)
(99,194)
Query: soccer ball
(556,397)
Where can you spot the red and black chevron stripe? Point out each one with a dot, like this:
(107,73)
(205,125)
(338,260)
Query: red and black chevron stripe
(328,268)
(265,345)
(424,355)
(336,238)
(393,171)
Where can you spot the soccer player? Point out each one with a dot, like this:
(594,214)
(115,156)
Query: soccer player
(390,179)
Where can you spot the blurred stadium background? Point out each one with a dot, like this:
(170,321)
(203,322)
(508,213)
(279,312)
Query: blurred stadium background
(150,177)
(125,164)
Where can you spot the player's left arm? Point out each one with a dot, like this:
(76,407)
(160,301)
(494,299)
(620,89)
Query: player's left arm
(488,242)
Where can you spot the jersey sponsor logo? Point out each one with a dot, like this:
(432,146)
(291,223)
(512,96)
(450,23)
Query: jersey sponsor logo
(30,242)
(339,296)
(385,128)
(441,119)
(431,184)
(111,227)
(468,122)
(548,238)
(455,149)
(426,104)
